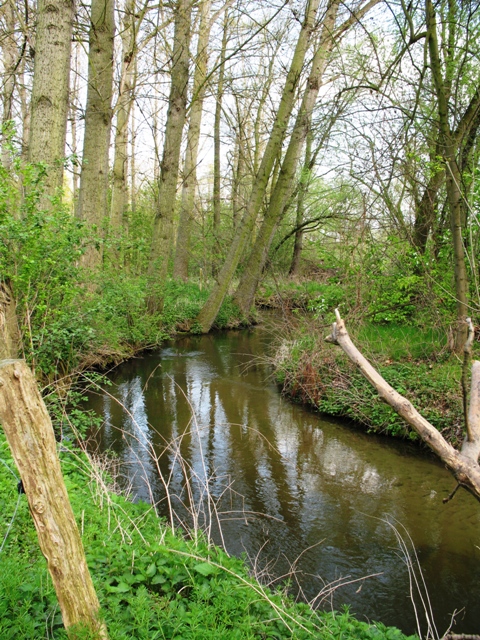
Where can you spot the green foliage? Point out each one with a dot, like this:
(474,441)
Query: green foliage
(414,362)
(152,582)
(183,302)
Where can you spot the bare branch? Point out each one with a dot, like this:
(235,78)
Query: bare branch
(463,465)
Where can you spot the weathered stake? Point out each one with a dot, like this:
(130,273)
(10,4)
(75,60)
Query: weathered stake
(29,432)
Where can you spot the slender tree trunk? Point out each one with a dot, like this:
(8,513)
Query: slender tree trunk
(285,183)
(217,185)
(49,102)
(24,96)
(73,120)
(92,199)
(167,187)
(209,311)
(123,109)
(182,250)
(302,192)
(453,180)
(9,55)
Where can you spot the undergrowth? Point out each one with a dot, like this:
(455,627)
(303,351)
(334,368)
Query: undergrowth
(415,362)
(152,581)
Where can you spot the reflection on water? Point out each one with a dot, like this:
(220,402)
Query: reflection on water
(290,487)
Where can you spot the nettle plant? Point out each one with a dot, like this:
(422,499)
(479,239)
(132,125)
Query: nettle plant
(39,258)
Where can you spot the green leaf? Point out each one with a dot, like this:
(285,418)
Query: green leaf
(205,568)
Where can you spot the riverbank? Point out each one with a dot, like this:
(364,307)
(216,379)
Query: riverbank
(152,581)
(185,607)
(415,361)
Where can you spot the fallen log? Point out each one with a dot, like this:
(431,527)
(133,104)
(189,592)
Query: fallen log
(462,464)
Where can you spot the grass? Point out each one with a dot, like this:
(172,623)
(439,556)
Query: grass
(152,581)
(405,342)
(415,362)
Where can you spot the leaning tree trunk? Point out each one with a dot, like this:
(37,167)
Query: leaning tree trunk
(210,310)
(285,182)
(463,464)
(92,199)
(31,439)
(163,236)
(49,102)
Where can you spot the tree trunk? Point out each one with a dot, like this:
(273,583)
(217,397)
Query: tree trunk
(210,310)
(9,51)
(425,214)
(285,183)
(92,200)
(182,250)
(464,465)
(49,102)
(9,334)
(167,187)
(31,439)
(216,139)
(453,179)
(123,109)
(302,192)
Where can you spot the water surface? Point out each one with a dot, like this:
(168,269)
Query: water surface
(291,489)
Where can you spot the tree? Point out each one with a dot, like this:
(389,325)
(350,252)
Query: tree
(180,267)
(209,311)
(162,241)
(285,182)
(463,464)
(131,22)
(10,63)
(31,438)
(49,102)
(92,200)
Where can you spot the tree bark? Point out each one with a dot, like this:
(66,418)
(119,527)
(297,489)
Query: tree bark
(209,312)
(163,236)
(9,51)
(49,102)
(216,201)
(302,192)
(30,436)
(453,179)
(9,334)
(463,465)
(92,200)
(182,249)
(123,109)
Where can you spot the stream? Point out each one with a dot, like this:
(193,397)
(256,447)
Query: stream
(297,493)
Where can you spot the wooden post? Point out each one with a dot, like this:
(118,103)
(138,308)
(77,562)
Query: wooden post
(29,432)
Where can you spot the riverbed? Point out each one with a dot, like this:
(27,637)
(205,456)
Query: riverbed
(200,429)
